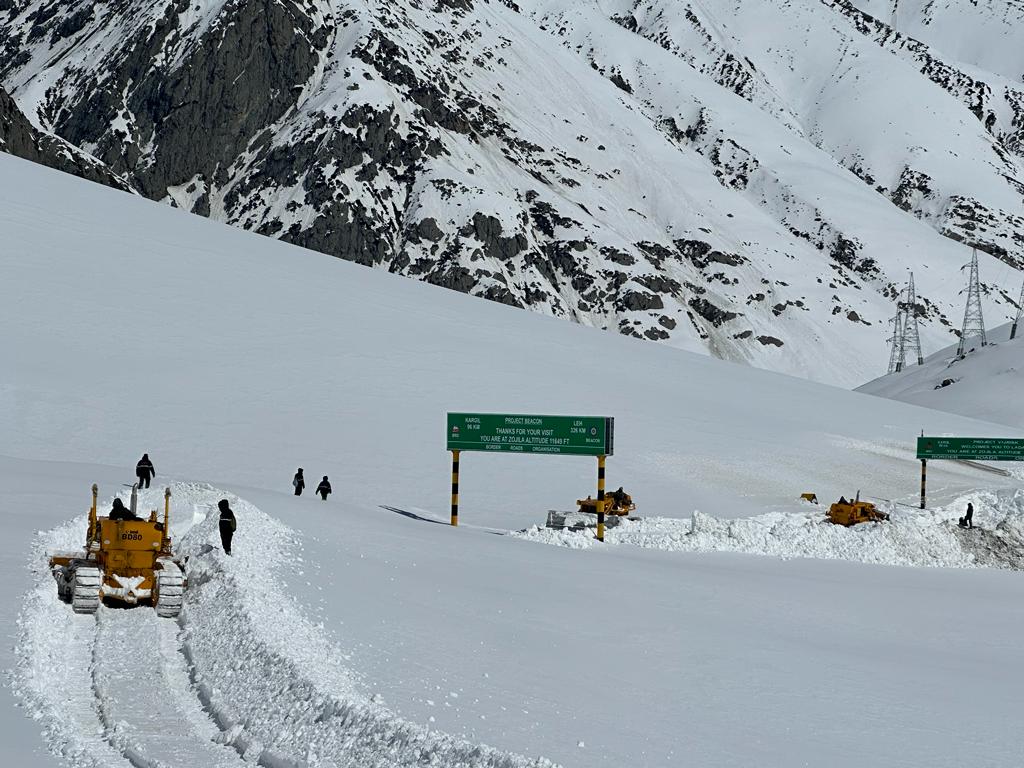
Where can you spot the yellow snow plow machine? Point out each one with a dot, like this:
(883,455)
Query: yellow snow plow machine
(126,559)
(615,503)
(849,513)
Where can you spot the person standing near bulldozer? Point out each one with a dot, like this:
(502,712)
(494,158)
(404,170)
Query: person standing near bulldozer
(227,525)
(144,471)
(298,482)
(324,489)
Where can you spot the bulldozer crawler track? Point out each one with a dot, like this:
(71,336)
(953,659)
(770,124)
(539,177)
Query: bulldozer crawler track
(170,589)
(85,589)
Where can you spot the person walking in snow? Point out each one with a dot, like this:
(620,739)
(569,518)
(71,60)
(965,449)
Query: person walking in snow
(144,471)
(227,525)
(324,488)
(298,482)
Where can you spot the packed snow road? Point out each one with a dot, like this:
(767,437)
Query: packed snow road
(241,677)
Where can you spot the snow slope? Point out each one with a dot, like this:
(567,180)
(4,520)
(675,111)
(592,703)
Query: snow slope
(379,631)
(748,179)
(986,384)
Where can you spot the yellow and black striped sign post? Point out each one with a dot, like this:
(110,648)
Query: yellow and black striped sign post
(455,487)
(924,477)
(600,498)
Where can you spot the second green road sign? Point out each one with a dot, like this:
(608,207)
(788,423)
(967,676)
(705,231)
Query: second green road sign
(977,448)
(521,433)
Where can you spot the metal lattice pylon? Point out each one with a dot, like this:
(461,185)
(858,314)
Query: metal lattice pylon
(1020,313)
(897,355)
(911,337)
(974,323)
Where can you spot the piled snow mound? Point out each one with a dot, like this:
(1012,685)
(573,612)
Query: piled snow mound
(912,538)
(278,692)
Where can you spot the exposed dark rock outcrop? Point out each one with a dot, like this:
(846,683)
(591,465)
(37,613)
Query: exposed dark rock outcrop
(19,137)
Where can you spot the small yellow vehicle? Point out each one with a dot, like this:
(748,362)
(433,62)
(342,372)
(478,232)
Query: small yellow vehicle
(849,513)
(615,503)
(124,560)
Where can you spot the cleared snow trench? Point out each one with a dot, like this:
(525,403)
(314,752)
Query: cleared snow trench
(911,538)
(242,678)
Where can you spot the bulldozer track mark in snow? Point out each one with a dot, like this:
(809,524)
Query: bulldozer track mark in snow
(144,694)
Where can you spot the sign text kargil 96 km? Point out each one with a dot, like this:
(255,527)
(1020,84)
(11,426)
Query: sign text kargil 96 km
(520,433)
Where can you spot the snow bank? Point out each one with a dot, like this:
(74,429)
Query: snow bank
(277,690)
(912,538)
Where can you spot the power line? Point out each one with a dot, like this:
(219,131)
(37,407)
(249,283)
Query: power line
(1020,313)
(974,323)
(911,336)
(897,356)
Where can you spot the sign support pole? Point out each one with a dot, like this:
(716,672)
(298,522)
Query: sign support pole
(455,487)
(924,477)
(600,497)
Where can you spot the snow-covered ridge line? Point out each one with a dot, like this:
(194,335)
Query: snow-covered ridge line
(749,181)
(928,538)
(277,690)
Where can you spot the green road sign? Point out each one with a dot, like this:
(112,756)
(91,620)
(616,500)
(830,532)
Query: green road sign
(977,448)
(519,433)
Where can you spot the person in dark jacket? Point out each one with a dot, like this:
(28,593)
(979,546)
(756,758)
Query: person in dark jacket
(298,482)
(144,471)
(967,521)
(324,488)
(120,512)
(227,525)
(619,497)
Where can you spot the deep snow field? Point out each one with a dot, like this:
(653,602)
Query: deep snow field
(346,634)
(986,384)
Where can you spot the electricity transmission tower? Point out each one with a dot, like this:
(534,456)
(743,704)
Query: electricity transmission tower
(905,336)
(974,323)
(898,354)
(1020,313)
(911,337)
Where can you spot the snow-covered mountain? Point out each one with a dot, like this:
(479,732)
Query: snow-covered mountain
(986,383)
(342,633)
(749,178)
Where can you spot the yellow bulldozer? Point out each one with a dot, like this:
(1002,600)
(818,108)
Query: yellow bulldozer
(849,513)
(615,503)
(124,560)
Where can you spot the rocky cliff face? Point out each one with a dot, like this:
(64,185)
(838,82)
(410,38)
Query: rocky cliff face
(751,181)
(19,137)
